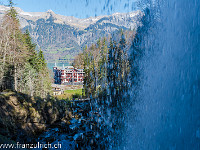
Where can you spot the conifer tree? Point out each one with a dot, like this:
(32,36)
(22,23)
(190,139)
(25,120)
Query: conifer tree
(21,67)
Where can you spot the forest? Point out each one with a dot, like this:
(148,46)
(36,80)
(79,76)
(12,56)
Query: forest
(22,67)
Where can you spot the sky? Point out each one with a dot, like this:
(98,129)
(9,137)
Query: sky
(76,8)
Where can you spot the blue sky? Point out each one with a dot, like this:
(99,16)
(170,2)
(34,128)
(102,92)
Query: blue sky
(76,8)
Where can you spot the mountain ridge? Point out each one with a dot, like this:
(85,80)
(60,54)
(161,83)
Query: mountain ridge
(62,37)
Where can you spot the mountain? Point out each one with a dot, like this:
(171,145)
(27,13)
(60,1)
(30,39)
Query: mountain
(62,37)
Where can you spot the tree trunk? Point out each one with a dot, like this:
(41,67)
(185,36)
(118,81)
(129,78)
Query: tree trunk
(30,84)
(15,77)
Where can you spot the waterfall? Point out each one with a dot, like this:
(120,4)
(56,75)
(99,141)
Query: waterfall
(168,97)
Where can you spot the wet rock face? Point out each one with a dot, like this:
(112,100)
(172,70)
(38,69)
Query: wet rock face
(85,130)
(22,116)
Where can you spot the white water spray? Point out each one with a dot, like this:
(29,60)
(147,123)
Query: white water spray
(168,104)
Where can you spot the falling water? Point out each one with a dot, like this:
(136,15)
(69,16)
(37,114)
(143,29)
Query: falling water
(168,97)
(164,94)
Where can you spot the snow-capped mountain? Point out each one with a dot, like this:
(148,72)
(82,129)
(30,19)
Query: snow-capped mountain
(64,36)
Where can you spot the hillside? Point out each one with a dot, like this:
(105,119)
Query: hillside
(23,117)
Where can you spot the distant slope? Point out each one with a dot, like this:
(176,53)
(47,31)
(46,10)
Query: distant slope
(62,37)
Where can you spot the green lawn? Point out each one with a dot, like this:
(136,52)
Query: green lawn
(79,91)
(70,94)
